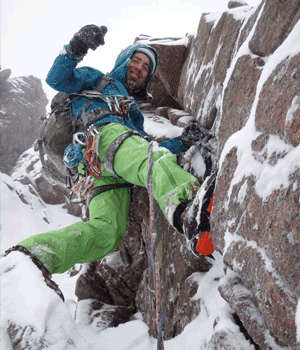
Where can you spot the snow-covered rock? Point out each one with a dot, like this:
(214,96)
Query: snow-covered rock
(23,104)
(48,183)
(236,3)
(33,317)
(240,79)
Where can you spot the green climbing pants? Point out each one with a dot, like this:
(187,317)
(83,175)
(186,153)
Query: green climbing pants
(89,241)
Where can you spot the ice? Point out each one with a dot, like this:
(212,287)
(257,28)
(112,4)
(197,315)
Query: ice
(295,105)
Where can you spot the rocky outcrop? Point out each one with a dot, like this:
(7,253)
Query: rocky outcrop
(45,182)
(233,4)
(23,103)
(177,265)
(252,103)
(274,25)
(205,69)
(240,80)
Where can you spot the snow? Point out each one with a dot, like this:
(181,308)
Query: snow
(197,162)
(168,41)
(298,321)
(19,220)
(28,301)
(160,127)
(290,113)
(212,17)
(239,13)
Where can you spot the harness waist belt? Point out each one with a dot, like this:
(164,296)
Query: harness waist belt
(100,189)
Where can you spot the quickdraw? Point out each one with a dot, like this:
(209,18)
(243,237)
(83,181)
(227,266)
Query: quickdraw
(82,189)
(118,104)
(92,136)
(90,140)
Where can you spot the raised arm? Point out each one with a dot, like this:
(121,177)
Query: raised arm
(63,75)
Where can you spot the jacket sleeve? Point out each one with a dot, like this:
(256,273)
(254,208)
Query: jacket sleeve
(65,77)
(173,145)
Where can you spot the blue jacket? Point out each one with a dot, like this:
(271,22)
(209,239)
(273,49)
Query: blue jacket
(65,77)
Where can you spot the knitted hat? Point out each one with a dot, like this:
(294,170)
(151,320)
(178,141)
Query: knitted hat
(151,53)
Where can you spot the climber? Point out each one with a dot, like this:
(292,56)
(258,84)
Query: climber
(123,149)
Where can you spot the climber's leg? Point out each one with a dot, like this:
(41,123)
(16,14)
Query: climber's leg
(171,184)
(87,241)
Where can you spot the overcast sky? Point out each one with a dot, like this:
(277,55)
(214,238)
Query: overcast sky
(34,31)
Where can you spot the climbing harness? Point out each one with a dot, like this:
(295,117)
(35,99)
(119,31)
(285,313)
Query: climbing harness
(84,188)
(112,149)
(154,257)
(95,191)
(118,105)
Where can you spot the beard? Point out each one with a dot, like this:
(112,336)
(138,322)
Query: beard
(132,85)
(133,82)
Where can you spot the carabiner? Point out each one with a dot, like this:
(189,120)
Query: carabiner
(77,140)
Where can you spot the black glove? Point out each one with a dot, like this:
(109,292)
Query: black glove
(88,37)
(193,133)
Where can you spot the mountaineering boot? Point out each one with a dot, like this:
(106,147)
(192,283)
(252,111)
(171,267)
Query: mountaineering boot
(46,274)
(192,219)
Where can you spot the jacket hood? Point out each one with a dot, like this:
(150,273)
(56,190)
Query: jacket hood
(121,66)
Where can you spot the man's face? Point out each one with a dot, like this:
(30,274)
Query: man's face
(138,71)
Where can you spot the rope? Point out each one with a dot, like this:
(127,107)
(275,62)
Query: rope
(154,257)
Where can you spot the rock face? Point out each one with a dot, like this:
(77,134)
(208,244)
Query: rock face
(240,79)
(23,102)
(46,182)
(252,104)
(274,25)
